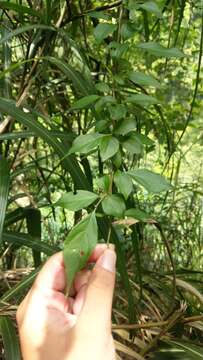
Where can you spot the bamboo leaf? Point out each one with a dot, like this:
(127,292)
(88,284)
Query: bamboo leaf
(21,239)
(10,339)
(19,8)
(33,218)
(27,119)
(18,289)
(79,82)
(23,29)
(4,188)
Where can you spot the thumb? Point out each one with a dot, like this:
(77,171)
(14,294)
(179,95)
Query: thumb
(97,308)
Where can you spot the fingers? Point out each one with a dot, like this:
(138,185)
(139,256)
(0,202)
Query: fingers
(52,275)
(98,295)
(79,300)
(82,278)
(97,252)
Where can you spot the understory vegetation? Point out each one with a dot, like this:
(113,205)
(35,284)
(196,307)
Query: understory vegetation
(101,119)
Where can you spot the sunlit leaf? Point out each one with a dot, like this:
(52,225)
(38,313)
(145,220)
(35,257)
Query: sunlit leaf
(152,7)
(126,126)
(102,31)
(137,214)
(124,183)
(143,79)
(160,51)
(108,146)
(85,143)
(84,102)
(75,202)
(133,145)
(142,99)
(113,205)
(151,181)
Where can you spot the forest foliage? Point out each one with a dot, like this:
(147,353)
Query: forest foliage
(100,140)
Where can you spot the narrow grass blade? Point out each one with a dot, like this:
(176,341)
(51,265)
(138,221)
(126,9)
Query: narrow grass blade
(10,339)
(4,188)
(22,239)
(19,8)
(33,217)
(68,162)
(18,289)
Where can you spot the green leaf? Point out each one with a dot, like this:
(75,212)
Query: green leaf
(104,183)
(29,120)
(127,30)
(19,8)
(20,287)
(151,7)
(17,135)
(151,181)
(23,29)
(102,87)
(113,205)
(117,111)
(125,127)
(99,15)
(85,143)
(10,339)
(133,145)
(142,99)
(75,202)
(143,79)
(79,245)
(85,102)
(21,239)
(160,51)
(33,218)
(124,183)
(144,139)
(102,31)
(81,83)
(137,214)
(194,351)
(179,349)
(4,188)
(108,146)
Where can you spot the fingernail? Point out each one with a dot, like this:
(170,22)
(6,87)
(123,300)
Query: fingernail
(108,260)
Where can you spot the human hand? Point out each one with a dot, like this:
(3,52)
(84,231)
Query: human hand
(54,327)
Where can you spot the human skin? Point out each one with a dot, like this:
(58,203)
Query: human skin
(54,327)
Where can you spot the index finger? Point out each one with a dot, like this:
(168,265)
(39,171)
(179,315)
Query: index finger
(52,276)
